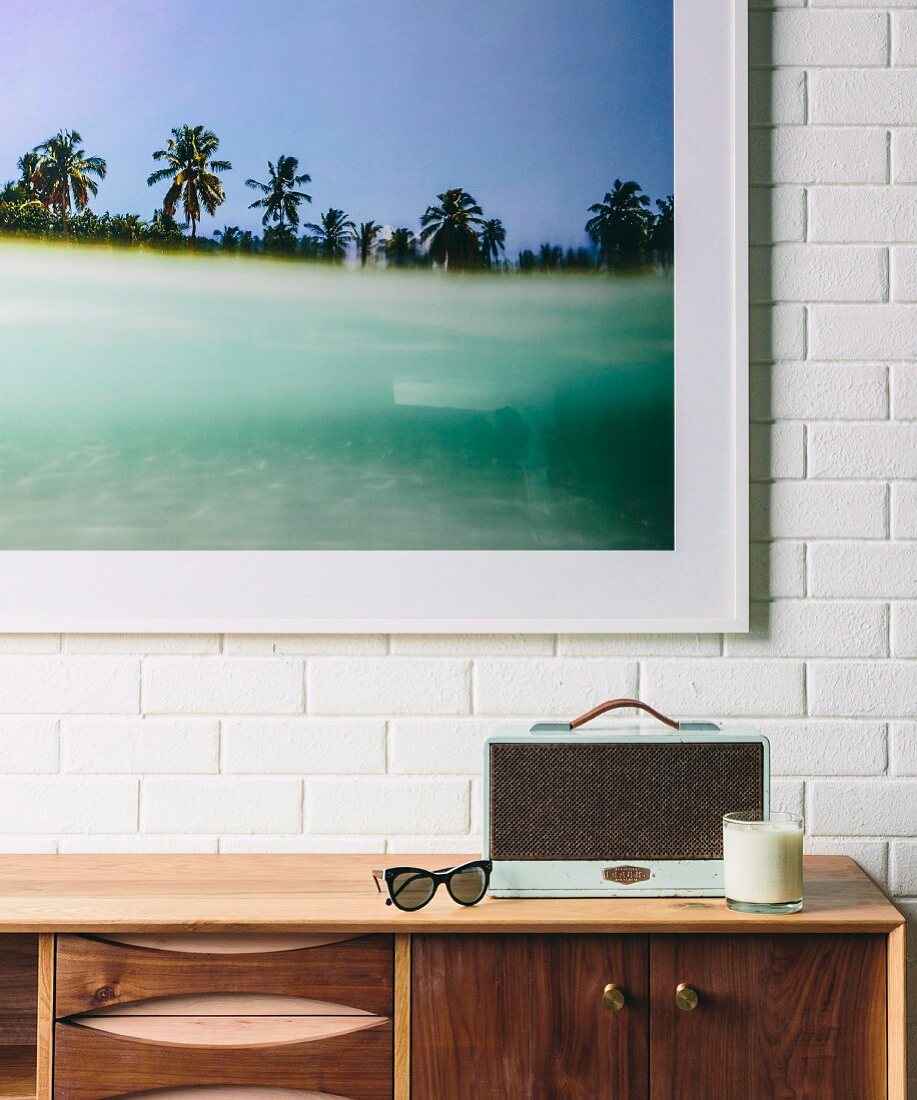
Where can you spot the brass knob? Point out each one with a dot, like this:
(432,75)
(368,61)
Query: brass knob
(613,998)
(686,997)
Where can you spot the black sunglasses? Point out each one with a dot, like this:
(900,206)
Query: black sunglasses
(410,888)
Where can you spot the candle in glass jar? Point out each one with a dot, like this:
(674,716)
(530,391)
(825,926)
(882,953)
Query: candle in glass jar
(762,863)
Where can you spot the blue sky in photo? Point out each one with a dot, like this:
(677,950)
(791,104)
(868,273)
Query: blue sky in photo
(534,106)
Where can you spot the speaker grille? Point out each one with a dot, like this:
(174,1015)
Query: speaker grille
(606,800)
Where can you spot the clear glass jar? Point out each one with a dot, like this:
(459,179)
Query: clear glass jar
(762,863)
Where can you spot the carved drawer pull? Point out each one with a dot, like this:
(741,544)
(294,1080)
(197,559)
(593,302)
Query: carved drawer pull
(229,1031)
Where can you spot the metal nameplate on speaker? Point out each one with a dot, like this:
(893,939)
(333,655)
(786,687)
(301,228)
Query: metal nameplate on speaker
(626,875)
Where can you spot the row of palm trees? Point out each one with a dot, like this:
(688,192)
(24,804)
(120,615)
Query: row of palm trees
(58,177)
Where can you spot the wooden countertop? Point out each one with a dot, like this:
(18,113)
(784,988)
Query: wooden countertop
(287,893)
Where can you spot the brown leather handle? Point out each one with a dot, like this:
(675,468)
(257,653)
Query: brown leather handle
(617,704)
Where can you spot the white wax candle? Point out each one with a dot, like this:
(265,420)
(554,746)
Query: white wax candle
(763,862)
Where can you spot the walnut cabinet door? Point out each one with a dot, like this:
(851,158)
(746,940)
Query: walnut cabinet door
(499,1016)
(768,1017)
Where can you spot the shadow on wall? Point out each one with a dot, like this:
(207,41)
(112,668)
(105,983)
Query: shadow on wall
(762,232)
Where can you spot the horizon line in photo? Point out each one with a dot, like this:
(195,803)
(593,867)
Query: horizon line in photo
(58,180)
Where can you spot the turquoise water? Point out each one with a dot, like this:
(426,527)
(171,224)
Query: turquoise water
(201,403)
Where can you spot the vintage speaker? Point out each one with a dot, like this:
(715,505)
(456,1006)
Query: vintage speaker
(620,811)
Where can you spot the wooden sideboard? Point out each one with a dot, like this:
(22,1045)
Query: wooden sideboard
(158,976)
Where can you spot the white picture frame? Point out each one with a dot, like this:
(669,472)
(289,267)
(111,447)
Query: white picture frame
(700,586)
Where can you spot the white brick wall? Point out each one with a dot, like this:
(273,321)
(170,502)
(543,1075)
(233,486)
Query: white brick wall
(324,743)
(834,115)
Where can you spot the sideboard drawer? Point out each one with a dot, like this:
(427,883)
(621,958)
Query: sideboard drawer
(326,976)
(349,1058)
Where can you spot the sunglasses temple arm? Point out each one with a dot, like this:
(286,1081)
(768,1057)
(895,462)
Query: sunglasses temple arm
(377,879)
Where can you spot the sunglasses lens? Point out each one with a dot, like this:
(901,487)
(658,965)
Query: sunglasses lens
(468,886)
(412,889)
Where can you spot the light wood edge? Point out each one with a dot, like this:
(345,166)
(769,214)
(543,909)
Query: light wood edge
(44,1068)
(227,1004)
(230,1092)
(402,1017)
(217,943)
(896,1013)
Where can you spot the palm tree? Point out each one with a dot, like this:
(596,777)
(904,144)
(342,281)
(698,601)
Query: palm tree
(493,240)
(619,223)
(662,231)
(450,229)
(280,239)
(401,247)
(29,180)
(280,198)
(193,173)
(228,237)
(63,173)
(26,188)
(550,257)
(527,260)
(164,230)
(248,242)
(366,237)
(13,193)
(579,259)
(126,229)
(334,233)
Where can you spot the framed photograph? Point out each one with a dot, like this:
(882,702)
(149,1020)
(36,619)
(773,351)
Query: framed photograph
(374,315)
